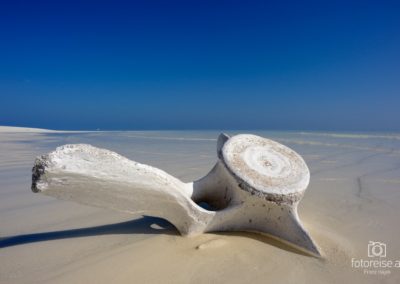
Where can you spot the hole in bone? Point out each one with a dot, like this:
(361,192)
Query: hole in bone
(206,206)
(216,201)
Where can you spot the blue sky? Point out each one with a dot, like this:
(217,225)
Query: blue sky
(301,65)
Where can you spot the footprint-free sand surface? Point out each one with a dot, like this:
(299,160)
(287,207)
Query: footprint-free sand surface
(353,198)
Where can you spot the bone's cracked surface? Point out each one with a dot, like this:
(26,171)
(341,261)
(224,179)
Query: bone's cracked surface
(255,186)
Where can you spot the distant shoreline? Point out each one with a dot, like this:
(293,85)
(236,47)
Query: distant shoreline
(16,129)
(23,129)
(332,134)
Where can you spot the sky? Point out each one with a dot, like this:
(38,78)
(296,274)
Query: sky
(136,65)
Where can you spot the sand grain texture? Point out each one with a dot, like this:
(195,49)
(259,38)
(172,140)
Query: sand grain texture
(353,197)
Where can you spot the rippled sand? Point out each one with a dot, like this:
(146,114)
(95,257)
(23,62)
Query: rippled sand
(353,198)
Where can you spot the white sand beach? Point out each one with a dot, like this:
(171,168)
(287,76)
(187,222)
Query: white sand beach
(12,129)
(353,198)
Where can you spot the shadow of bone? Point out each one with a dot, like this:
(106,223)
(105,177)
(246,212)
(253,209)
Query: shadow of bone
(271,241)
(145,225)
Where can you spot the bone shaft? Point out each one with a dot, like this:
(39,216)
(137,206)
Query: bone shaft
(100,180)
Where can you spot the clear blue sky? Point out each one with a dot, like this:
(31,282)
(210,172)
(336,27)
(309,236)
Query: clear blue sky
(307,65)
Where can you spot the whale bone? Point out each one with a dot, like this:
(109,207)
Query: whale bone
(255,185)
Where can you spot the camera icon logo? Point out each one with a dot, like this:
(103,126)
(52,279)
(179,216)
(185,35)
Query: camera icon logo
(376,249)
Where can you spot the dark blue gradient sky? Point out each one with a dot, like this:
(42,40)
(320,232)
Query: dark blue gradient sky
(301,65)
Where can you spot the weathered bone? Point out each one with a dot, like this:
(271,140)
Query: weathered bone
(256,185)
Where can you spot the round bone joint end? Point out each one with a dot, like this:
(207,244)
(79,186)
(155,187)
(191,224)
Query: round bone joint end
(266,168)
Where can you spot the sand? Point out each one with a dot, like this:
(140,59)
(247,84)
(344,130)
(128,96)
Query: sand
(12,129)
(353,198)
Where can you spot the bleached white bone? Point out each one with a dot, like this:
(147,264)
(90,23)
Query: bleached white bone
(255,185)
